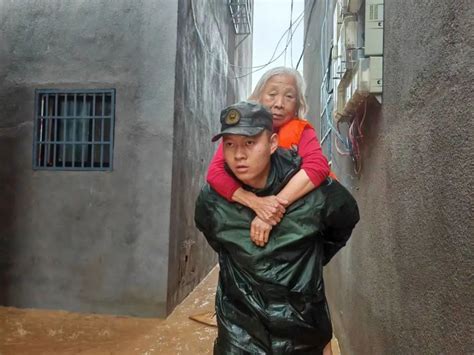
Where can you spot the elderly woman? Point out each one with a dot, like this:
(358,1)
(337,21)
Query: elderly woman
(281,90)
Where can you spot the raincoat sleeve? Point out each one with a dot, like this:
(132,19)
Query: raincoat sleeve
(204,217)
(340,216)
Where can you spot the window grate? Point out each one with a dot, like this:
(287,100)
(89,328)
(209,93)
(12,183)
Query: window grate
(241,13)
(74,129)
(325,117)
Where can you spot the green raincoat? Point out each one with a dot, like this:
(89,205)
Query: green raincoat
(271,300)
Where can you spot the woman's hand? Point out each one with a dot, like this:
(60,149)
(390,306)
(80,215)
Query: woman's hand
(259,232)
(270,209)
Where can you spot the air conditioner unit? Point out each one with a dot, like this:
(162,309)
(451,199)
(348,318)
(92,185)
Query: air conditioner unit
(373,27)
(366,79)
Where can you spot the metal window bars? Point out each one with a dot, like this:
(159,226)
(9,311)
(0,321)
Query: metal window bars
(326,105)
(241,13)
(74,129)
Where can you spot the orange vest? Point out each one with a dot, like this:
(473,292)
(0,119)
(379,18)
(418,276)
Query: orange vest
(290,133)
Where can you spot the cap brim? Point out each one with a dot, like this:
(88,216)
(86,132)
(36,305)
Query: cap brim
(241,131)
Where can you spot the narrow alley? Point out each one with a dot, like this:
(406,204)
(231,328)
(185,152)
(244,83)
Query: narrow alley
(117,191)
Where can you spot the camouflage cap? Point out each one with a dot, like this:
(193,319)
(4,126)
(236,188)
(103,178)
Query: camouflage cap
(245,118)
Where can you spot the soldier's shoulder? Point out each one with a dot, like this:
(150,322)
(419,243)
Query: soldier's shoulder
(208,196)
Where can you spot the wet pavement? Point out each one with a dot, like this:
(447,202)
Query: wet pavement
(31,331)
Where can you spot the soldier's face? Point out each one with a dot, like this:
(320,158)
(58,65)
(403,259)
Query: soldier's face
(249,157)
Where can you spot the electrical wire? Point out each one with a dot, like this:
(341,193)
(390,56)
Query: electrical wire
(323,26)
(306,34)
(299,19)
(347,152)
(252,68)
(290,40)
(356,137)
(291,45)
(273,58)
(276,58)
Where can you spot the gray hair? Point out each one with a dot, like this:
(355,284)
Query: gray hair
(301,105)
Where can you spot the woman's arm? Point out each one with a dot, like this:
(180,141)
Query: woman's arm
(314,168)
(297,187)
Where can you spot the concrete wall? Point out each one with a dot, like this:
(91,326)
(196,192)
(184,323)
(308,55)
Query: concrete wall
(88,241)
(205,84)
(402,285)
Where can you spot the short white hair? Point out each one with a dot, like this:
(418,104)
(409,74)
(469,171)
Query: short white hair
(301,105)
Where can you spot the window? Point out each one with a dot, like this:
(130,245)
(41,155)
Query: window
(74,129)
(241,13)
(326,128)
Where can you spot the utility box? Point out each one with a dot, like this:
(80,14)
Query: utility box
(373,27)
(367,76)
(356,75)
(366,79)
(375,74)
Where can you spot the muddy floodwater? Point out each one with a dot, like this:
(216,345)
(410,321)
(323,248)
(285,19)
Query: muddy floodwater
(27,331)
(32,331)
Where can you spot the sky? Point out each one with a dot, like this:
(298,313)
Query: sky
(271,20)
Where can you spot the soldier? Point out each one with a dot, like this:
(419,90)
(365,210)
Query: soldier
(270,299)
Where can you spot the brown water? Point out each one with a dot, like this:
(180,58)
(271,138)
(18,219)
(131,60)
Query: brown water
(28,331)
(31,331)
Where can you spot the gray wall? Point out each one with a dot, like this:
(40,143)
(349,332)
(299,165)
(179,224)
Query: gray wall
(124,241)
(88,241)
(205,84)
(401,286)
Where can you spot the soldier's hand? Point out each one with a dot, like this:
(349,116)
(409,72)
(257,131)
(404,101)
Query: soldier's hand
(260,232)
(270,209)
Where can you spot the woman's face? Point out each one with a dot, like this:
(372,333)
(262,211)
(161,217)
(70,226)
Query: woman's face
(280,96)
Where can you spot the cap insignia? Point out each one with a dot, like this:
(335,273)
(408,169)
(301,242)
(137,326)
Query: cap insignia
(232,117)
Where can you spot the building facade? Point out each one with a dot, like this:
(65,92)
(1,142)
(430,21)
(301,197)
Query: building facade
(401,286)
(107,110)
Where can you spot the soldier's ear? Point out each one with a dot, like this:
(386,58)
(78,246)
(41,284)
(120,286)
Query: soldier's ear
(273,143)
